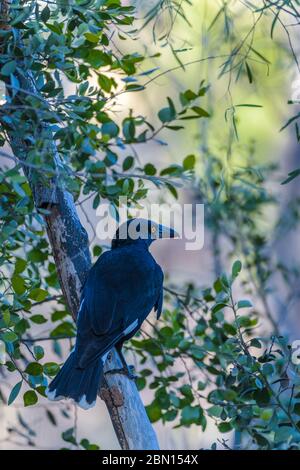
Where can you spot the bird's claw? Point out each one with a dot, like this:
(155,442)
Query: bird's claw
(128,371)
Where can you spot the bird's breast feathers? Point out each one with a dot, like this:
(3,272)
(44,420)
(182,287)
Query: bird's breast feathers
(126,265)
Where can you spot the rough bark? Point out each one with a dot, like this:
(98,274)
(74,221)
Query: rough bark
(69,242)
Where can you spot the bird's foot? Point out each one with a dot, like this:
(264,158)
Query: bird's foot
(128,371)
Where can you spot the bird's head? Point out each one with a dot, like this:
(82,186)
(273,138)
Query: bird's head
(141,231)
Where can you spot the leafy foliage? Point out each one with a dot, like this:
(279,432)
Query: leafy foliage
(72,46)
(210,365)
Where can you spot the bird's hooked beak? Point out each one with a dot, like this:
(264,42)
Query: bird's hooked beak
(167,232)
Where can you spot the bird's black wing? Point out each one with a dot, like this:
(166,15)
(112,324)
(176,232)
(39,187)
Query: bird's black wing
(121,290)
(100,301)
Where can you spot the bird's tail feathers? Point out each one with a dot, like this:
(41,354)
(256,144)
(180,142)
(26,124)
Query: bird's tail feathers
(81,385)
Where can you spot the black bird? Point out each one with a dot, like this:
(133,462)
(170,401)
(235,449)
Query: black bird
(121,289)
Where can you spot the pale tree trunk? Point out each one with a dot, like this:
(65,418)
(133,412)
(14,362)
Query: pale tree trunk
(69,242)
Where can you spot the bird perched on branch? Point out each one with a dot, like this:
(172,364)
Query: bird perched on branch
(121,289)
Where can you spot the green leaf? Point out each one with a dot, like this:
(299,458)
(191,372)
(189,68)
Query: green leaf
(38,294)
(244,321)
(261,440)
(248,105)
(9,337)
(255,343)
(236,269)
(249,72)
(225,427)
(172,108)
(192,116)
(20,265)
(110,159)
(34,368)
(267,369)
(41,389)
(30,398)
(97,250)
(36,256)
(105,82)
(21,326)
(259,53)
(200,111)
(170,415)
(64,329)
(175,128)
(96,201)
(68,436)
(172,190)
(6,316)
(85,443)
(296,409)
(229,329)
(51,368)
(149,169)
(215,410)
(292,175)
(266,414)
(51,417)
(45,14)
(128,163)
(244,304)
(38,352)
(259,383)
(225,281)
(110,128)
(9,67)
(129,129)
(165,115)
(189,162)
(38,319)
(14,393)
(187,96)
(18,284)
(197,352)
(98,58)
(262,397)
(186,390)
(218,306)
(153,412)
(140,383)
(190,415)
(94,38)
